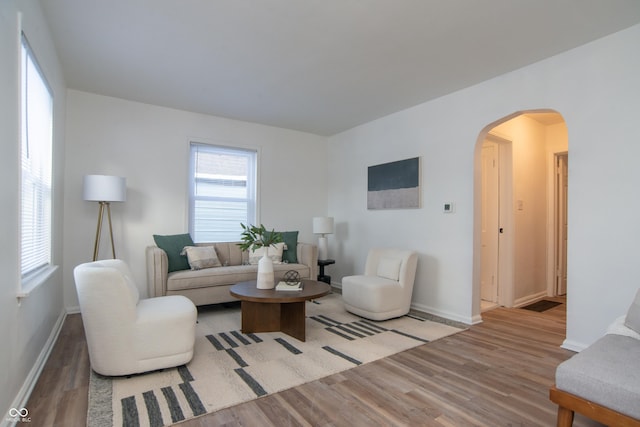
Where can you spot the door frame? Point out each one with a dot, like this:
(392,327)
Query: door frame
(490,220)
(552,218)
(505,218)
(508,293)
(505,272)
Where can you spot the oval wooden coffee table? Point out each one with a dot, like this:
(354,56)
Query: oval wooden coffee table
(268,310)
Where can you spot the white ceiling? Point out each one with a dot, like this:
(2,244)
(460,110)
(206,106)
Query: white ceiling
(321,66)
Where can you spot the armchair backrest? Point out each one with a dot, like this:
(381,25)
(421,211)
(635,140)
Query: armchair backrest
(108,298)
(395,264)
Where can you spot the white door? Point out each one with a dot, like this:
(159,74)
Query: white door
(490,221)
(562,181)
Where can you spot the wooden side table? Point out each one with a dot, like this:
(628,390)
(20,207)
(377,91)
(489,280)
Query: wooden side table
(322,263)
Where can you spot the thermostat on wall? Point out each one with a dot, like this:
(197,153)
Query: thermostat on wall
(448,207)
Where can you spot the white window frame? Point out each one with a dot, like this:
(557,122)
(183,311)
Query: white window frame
(36,172)
(251,181)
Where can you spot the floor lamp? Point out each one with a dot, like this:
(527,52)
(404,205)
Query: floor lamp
(104,189)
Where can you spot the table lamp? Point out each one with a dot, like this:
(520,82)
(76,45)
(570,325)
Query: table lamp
(322,225)
(104,189)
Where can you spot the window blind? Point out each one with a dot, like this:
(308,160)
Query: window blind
(222,192)
(36,159)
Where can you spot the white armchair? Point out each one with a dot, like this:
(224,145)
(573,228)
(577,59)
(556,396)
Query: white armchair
(385,289)
(126,335)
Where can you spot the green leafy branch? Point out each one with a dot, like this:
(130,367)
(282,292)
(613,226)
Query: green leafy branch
(254,237)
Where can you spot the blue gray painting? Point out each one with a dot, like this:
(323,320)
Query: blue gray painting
(394,185)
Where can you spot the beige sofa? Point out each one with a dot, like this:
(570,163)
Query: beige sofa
(211,285)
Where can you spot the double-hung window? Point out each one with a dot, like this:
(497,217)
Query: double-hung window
(36,165)
(222,192)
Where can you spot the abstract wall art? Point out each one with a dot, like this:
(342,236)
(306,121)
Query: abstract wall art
(394,185)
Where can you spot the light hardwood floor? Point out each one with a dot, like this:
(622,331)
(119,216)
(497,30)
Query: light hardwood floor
(497,373)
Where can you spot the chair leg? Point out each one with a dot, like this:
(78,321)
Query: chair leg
(565,417)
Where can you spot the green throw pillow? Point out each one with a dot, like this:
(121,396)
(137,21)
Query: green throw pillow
(290,238)
(173,246)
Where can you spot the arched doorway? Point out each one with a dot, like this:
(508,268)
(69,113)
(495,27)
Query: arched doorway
(519,203)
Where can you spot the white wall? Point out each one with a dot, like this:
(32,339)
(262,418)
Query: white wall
(596,89)
(26,326)
(149,145)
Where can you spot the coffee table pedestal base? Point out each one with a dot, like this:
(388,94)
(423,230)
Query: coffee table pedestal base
(288,318)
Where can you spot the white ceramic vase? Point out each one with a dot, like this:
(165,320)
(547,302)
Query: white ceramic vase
(265,273)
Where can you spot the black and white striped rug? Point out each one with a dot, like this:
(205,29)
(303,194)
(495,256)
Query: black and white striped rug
(230,367)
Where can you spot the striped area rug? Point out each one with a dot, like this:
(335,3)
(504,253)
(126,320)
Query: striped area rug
(230,367)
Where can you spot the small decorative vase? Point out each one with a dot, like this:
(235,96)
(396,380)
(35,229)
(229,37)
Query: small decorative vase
(265,273)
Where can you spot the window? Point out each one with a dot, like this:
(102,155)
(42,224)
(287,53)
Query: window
(222,193)
(36,146)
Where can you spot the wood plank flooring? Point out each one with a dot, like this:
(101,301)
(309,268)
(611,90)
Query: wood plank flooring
(497,373)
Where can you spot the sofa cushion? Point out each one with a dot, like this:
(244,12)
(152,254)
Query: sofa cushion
(200,257)
(290,239)
(255,255)
(208,277)
(607,373)
(632,320)
(173,245)
(226,276)
(229,253)
(279,270)
(274,252)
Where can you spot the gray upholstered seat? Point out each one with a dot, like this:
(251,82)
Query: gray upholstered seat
(607,372)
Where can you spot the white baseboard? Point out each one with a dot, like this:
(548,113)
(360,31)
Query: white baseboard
(573,346)
(445,314)
(529,299)
(430,310)
(477,319)
(73,310)
(23,395)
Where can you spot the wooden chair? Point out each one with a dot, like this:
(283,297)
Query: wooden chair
(569,403)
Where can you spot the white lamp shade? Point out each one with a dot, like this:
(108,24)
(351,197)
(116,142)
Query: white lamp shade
(104,188)
(323,225)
